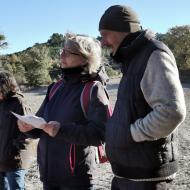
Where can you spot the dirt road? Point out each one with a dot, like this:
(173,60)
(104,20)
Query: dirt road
(104,175)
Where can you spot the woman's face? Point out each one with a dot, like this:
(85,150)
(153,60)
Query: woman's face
(70,59)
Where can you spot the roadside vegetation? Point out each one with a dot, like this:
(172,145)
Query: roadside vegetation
(39,65)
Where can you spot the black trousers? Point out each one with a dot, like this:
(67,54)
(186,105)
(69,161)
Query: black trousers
(125,184)
(57,187)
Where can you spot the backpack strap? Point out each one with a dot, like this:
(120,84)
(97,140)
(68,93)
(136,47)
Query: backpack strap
(85,101)
(54,88)
(86,96)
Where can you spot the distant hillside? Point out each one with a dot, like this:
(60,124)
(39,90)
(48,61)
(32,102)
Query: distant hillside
(39,64)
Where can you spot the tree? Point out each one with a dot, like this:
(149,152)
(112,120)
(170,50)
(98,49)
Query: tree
(13,64)
(178,40)
(37,64)
(3,43)
(8,67)
(56,40)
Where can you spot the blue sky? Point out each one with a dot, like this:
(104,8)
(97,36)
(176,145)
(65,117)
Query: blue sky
(26,22)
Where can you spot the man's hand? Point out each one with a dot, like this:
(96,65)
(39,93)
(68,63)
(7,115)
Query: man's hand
(51,128)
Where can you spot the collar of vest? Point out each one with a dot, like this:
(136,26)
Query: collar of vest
(131,45)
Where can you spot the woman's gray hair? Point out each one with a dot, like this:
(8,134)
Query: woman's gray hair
(88,47)
(8,84)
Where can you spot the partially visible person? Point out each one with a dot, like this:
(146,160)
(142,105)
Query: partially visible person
(141,136)
(66,150)
(15,148)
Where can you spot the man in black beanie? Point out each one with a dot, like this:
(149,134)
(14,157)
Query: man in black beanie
(141,136)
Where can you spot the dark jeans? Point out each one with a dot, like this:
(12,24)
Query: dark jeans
(125,184)
(13,180)
(55,187)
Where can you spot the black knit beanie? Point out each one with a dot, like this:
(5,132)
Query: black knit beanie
(120,18)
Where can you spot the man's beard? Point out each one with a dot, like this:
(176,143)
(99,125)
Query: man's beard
(108,50)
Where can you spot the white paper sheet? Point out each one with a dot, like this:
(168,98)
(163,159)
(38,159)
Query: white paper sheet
(31,119)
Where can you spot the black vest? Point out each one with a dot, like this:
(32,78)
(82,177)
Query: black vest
(137,160)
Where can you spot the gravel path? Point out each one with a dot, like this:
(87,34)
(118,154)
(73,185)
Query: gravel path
(104,175)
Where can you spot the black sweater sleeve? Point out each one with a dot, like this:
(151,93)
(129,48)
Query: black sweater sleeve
(36,133)
(93,131)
